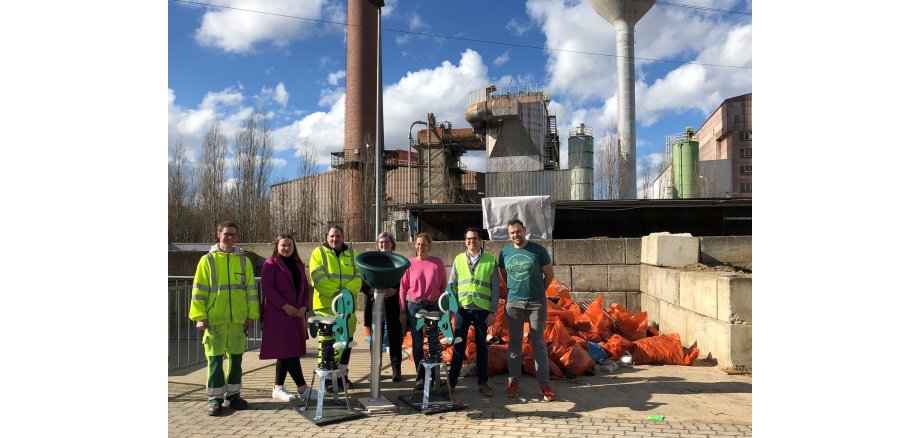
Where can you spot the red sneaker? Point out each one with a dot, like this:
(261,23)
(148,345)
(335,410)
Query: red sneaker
(512,388)
(548,393)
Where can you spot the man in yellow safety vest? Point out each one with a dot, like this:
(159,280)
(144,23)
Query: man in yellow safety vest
(225,302)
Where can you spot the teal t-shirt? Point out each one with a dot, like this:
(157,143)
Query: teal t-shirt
(524,267)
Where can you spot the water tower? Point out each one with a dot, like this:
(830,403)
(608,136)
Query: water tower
(623,15)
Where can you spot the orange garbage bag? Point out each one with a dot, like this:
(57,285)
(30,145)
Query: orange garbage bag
(599,318)
(580,341)
(617,346)
(576,361)
(499,329)
(554,311)
(664,349)
(557,288)
(498,359)
(633,327)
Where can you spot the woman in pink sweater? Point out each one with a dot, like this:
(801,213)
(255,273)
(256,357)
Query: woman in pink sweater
(421,285)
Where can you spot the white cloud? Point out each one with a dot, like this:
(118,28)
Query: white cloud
(518,28)
(442,90)
(667,33)
(501,59)
(334,78)
(281,94)
(238,31)
(416,23)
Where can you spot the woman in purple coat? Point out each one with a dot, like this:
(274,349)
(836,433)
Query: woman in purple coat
(287,297)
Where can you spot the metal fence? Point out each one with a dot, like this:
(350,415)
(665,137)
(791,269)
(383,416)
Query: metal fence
(185,348)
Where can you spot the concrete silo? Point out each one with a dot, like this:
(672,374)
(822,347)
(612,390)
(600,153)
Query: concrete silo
(685,163)
(581,162)
(623,15)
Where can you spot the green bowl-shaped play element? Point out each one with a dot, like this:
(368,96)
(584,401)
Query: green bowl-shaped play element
(381,269)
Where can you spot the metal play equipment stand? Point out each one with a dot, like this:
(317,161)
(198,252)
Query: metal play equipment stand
(433,322)
(329,369)
(379,270)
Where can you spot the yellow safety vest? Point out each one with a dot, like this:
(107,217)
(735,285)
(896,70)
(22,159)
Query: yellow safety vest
(225,289)
(475,288)
(329,274)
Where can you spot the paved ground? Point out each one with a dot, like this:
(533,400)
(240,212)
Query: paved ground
(695,401)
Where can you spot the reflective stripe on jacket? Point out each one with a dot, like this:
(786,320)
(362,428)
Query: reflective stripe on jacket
(475,288)
(329,274)
(225,288)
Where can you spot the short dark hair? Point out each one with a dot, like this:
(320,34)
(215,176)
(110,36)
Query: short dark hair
(227,224)
(281,237)
(475,230)
(516,221)
(335,226)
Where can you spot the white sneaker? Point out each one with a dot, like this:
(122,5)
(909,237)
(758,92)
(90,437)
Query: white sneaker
(280,393)
(303,395)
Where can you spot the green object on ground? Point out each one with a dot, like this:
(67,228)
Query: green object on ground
(656,417)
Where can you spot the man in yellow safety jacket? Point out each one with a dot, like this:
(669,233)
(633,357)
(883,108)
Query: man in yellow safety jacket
(333,269)
(225,302)
(475,278)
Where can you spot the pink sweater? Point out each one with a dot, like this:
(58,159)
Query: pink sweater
(425,280)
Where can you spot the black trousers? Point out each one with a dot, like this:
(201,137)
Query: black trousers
(290,366)
(391,319)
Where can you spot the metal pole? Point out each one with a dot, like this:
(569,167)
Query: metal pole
(376,343)
(378,145)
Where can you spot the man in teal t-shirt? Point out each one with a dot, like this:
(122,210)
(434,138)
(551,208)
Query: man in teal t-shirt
(527,270)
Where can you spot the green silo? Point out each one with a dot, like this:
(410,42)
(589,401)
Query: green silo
(685,163)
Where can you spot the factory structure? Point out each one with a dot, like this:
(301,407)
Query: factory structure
(513,125)
(714,161)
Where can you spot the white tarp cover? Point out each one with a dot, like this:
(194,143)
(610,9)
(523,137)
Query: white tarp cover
(536,212)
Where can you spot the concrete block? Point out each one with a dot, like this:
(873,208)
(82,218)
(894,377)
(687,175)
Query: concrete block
(589,278)
(650,305)
(608,298)
(563,273)
(742,346)
(494,247)
(633,250)
(725,249)
(633,302)
(623,277)
(699,293)
(665,249)
(445,250)
(664,283)
(673,319)
(734,300)
(588,252)
(643,277)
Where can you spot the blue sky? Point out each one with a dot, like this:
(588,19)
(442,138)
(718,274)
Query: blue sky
(232,62)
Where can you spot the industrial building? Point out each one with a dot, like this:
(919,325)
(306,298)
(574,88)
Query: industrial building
(722,148)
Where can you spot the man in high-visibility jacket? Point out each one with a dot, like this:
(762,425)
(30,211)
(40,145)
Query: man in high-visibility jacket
(225,302)
(475,278)
(333,270)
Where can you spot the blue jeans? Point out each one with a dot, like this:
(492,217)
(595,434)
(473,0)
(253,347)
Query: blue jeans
(417,338)
(462,321)
(534,312)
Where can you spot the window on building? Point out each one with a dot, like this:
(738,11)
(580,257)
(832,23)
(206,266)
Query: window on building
(746,170)
(746,152)
(746,188)
(746,135)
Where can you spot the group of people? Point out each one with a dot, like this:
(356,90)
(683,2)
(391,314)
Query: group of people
(225,303)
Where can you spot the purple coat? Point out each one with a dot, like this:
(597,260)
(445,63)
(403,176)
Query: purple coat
(283,336)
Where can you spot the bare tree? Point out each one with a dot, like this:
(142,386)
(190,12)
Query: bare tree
(307,170)
(212,174)
(607,167)
(180,222)
(252,170)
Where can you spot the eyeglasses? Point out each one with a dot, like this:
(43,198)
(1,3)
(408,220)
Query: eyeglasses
(229,234)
